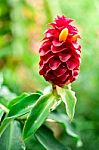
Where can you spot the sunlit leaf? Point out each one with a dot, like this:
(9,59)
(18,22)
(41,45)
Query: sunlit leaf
(20,108)
(23,106)
(39,92)
(17,99)
(38,114)
(69,99)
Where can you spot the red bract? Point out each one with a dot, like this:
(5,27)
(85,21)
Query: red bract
(60,52)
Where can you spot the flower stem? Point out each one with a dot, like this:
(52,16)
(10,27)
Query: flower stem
(54,89)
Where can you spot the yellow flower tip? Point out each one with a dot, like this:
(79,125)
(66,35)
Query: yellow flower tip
(74,37)
(63,35)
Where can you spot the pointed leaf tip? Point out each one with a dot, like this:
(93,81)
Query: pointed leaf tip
(38,114)
(69,99)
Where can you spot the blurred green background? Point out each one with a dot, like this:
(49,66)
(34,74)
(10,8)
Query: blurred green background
(22,24)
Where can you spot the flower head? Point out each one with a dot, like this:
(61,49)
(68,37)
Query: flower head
(60,52)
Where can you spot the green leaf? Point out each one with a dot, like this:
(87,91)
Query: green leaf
(46,138)
(17,99)
(33,144)
(69,99)
(63,119)
(23,106)
(11,138)
(38,114)
(20,108)
(39,92)
(4,125)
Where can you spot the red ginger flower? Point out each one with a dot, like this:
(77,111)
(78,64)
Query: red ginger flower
(60,52)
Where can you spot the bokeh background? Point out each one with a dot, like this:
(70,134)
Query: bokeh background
(22,24)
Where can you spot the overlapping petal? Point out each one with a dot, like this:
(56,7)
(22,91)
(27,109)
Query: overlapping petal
(60,60)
